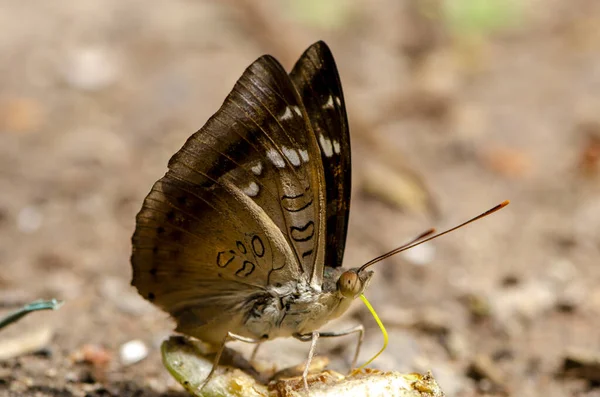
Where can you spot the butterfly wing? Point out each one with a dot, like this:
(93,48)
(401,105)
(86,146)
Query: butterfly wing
(240,208)
(317,80)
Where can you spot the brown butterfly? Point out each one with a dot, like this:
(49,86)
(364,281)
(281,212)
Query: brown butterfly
(243,238)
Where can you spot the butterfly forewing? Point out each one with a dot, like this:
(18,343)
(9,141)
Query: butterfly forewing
(316,78)
(241,208)
(290,156)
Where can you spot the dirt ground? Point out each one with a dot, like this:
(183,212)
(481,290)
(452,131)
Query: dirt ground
(445,123)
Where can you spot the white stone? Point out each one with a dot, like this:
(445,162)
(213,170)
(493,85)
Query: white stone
(133,352)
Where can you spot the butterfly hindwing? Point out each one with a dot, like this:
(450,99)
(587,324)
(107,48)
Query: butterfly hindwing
(317,80)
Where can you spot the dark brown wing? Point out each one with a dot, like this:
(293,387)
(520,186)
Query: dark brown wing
(316,79)
(240,208)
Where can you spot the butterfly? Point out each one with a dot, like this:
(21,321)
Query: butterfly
(243,237)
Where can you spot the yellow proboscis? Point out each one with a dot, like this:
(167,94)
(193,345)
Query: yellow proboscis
(383,331)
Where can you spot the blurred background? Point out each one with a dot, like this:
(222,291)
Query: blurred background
(454,106)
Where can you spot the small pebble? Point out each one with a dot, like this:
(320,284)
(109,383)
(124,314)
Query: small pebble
(132,352)
(96,355)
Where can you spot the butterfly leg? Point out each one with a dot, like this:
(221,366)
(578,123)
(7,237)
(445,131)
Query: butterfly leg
(254,351)
(313,338)
(359,329)
(230,337)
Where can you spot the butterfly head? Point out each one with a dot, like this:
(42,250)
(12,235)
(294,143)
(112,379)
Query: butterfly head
(353,282)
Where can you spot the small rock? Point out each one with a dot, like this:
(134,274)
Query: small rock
(96,355)
(132,352)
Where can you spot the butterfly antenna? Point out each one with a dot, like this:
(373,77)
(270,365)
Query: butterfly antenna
(427,236)
(399,249)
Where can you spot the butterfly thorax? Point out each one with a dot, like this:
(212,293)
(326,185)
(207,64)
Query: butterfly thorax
(298,308)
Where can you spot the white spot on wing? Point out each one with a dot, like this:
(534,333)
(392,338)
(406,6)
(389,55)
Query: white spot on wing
(287,115)
(338,101)
(336,147)
(251,190)
(275,158)
(304,155)
(297,110)
(292,155)
(326,146)
(329,104)
(257,169)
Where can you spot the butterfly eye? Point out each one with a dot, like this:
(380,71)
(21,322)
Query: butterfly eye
(349,284)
